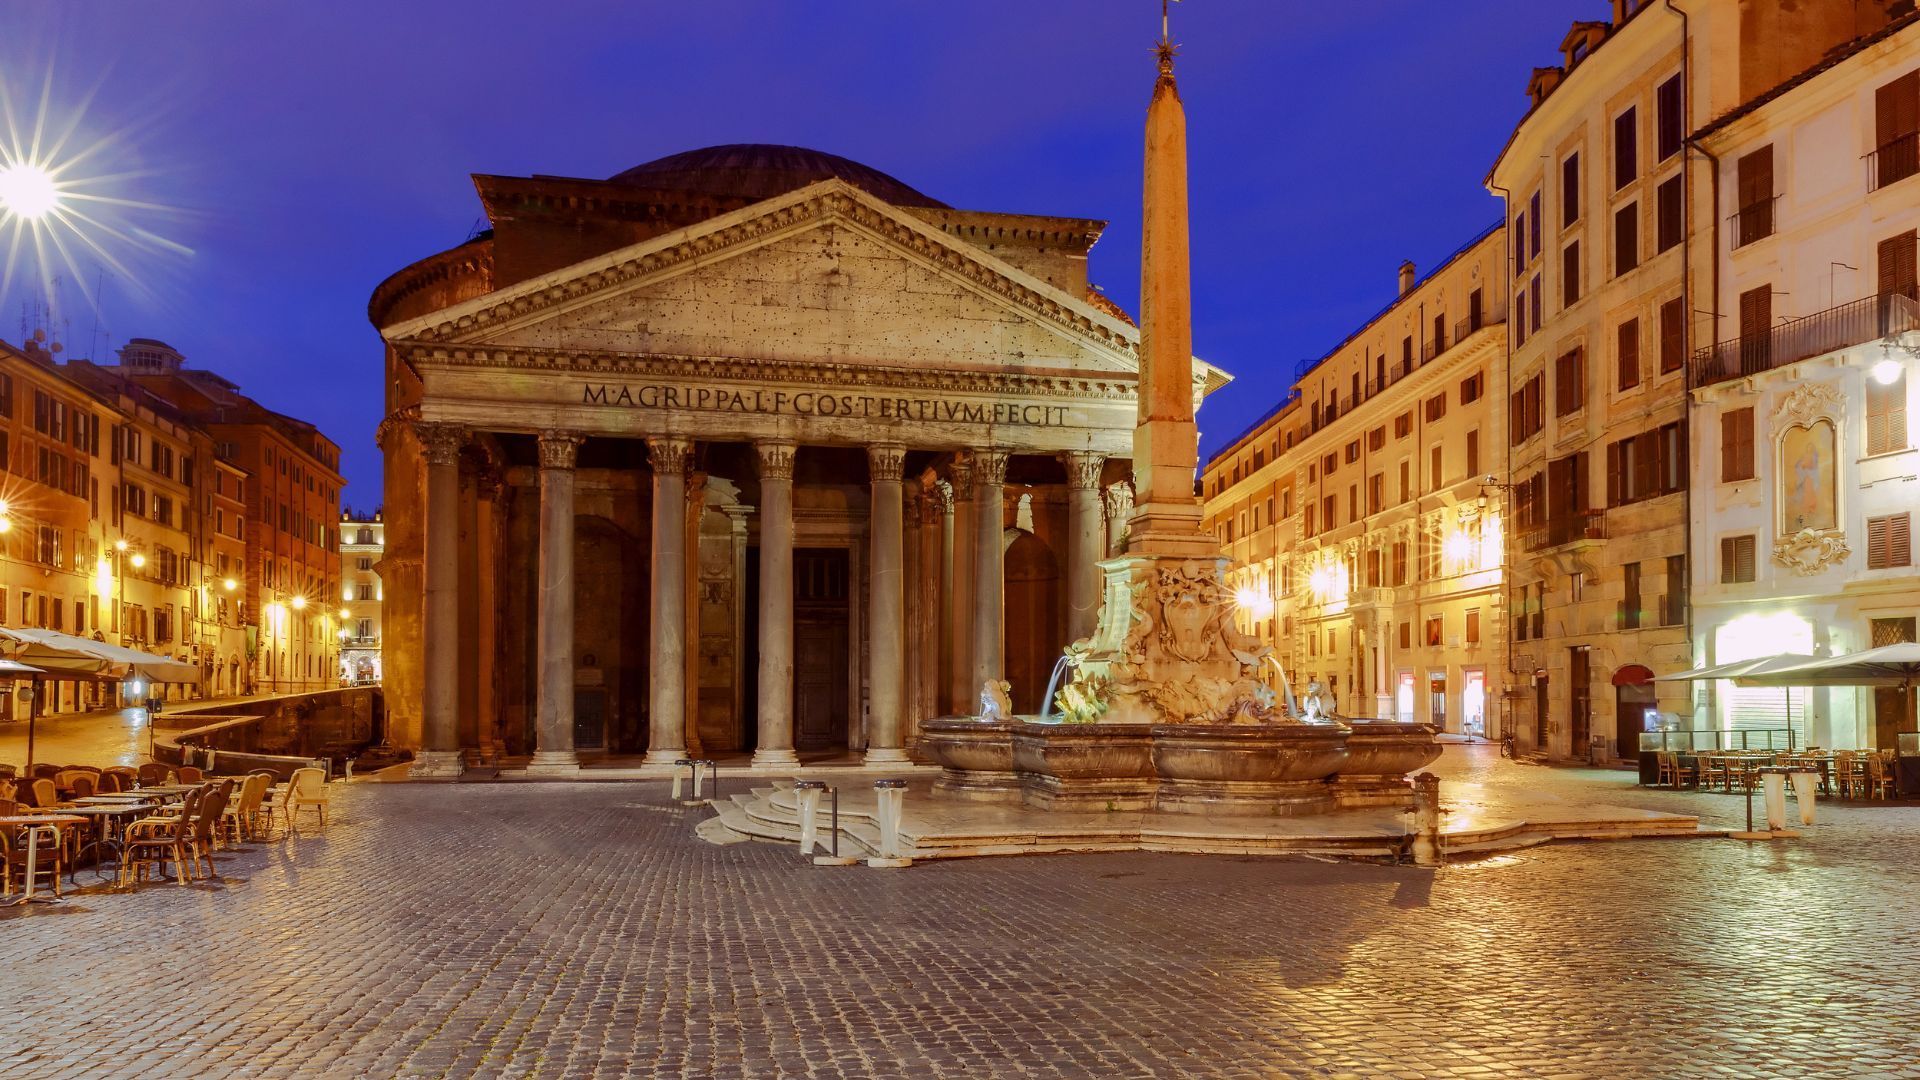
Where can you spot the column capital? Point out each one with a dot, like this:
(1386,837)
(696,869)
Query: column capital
(942,495)
(990,466)
(776,460)
(669,455)
(886,462)
(488,482)
(441,442)
(1083,469)
(559,449)
(960,473)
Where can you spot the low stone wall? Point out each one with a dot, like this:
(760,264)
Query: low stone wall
(277,734)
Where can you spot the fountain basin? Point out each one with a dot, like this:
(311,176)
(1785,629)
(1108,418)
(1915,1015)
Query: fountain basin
(1085,766)
(1381,755)
(975,757)
(1247,769)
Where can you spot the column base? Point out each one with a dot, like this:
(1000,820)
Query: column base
(886,755)
(437,765)
(664,757)
(554,763)
(775,759)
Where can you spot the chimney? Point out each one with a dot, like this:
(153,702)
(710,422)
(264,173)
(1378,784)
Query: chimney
(1407,277)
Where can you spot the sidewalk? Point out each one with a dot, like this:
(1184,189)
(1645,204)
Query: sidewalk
(106,737)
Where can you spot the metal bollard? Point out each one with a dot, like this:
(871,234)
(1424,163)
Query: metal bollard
(713,774)
(891,797)
(1426,820)
(1804,781)
(683,763)
(1774,787)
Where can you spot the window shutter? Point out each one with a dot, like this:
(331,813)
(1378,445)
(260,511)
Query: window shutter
(1897,109)
(1673,334)
(1897,264)
(1626,238)
(1877,543)
(1755,181)
(1629,352)
(1899,540)
(1614,453)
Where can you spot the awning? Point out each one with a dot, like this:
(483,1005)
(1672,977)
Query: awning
(65,654)
(1632,675)
(1888,665)
(1737,668)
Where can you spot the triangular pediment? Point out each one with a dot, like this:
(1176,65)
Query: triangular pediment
(826,273)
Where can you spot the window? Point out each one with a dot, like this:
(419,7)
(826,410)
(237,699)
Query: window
(1353,451)
(1307,520)
(1376,492)
(1533,227)
(1670,119)
(1406,635)
(1756,329)
(1435,472)
(1406,484)
(1436,628)
(1570,383)
(1329,511)
(1887,414)
(1520,244)
(1669,214)
(1889,542)
(1373,568)
(1473,626)
(1736,445)
(1570,274)
(1897,266)
(1473,452)
(1475,311)
(1896,123)
(1520,319)
(1880,632)
(1471,387)
(1753,216)
(1630,598)
(1436,407)
(1526,417)
(1627,354)
(1646,465)
(1673,603)
(1377,438)
(1570,190)
(1400,570)
(1626,239)
(1535,298)
(1673,334)
(1328,463)
(1403,425)
(1626,148)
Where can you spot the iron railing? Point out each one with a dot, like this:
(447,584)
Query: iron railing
(1751,223)
(1827,331)
(1895,161)
(1565,529)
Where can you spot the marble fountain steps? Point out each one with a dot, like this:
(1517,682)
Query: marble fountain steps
(941,827)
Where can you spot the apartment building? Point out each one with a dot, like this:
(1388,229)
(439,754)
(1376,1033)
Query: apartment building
(1805,477)
(1381,538)
(1605,211)
(291,477)
(362,543)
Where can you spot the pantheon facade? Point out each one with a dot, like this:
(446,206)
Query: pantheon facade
(747,449)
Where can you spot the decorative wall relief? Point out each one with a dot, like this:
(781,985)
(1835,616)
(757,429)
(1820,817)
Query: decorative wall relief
(1810,551)
(1808,488)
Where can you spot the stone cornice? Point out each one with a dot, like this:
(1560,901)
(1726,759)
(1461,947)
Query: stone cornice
(1104,386)
(827,200)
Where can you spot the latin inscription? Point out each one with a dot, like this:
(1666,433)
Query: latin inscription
(826,403)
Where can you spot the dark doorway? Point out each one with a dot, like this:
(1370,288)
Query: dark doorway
(1892,714)
(610,638)
(820,636)
(1033,620)
(1579,701)
(750,656)
(1631,701)
(1540,710)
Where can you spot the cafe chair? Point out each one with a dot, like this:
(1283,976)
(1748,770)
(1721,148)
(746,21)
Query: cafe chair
(49,860)
(306,789)
(154,773)
(1879,778)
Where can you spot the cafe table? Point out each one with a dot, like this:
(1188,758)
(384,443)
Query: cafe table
(107,837)
(35,825)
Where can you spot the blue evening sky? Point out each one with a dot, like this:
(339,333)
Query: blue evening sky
(306,151)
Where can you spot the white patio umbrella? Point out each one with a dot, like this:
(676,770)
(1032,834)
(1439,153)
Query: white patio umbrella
(13,669)
(1889,665)
(1740,669)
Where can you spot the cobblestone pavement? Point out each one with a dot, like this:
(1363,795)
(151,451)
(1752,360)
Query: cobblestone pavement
(581,929)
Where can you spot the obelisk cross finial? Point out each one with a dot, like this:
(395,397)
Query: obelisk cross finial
(1165,47)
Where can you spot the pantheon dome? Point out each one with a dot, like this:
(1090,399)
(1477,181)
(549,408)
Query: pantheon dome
(756,171)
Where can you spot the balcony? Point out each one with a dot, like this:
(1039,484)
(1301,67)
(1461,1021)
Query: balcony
(1893,162)
(1836,328)
(1566,529)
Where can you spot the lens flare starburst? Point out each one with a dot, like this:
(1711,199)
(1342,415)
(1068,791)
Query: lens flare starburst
(69,197)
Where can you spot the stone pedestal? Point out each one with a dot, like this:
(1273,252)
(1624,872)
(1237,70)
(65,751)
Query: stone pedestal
(1085,767)
(975,757)
(1253,769)
(1381,755)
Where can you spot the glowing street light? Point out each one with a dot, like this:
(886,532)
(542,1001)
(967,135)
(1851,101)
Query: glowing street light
(1887,372)
(229,584)
(138,560)
(299,603)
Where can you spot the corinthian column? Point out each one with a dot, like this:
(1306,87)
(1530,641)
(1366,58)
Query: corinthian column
(553,750)
(440,738)
(667,658)
(1085,542)
(989,641)
(962,689)
(776,606)
(886,638)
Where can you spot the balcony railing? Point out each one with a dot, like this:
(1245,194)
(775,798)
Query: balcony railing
(1895,161)
(1751,223)
(1566,529)
(1827,331)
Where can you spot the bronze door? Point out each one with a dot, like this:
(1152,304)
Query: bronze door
(820,631)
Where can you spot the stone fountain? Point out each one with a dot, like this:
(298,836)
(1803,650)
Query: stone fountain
(1166,710)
